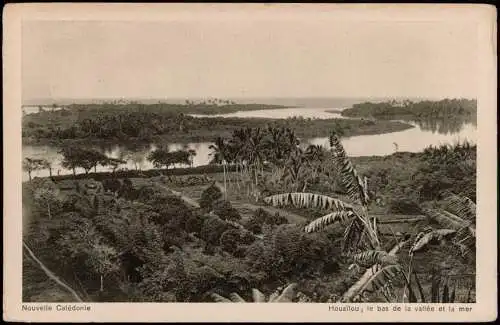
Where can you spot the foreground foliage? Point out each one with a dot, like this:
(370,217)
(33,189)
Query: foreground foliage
(131,239)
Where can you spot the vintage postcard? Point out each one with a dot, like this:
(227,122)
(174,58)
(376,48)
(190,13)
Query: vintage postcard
(165,162)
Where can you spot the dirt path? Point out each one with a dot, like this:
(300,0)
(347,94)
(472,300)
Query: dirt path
(189,201)
(51,275)
(385,220)
(291,217)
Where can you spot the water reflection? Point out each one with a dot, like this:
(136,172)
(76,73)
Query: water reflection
(432,131)
(445,125)
(135,156)
(413,140)
(312,113)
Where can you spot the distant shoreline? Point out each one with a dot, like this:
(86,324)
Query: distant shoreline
(303,101)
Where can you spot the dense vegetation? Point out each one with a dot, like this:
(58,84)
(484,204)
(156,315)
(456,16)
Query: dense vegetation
(166,122)
(424,176)
(395,110)
(409,109)
(207,106)
(444,116)
(121,239)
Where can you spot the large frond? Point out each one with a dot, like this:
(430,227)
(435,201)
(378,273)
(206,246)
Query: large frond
(466,236)
(462,206)
(287,295)
(357,236)
(445,219)
(373,257)
(322,222)
(274,296)
(258,296)
(423,239)
(354,185)
(465,239)
(420,288)
(307,200)
(374,279)
(236,297)
(218,298)
(398,246)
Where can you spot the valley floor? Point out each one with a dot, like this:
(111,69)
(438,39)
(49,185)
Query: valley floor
(38,287)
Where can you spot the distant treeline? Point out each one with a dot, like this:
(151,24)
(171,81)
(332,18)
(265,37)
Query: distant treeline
(190,107)
(414,110)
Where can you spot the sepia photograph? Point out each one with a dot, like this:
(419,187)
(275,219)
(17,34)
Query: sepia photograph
(268,155)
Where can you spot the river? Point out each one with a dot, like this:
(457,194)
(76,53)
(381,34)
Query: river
(423,134)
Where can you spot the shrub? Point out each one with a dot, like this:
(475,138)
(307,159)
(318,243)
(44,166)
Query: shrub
(246,237)
(276,219)
(254,254)
(225,210)
(257,220)
(212,229)
(127,190)
(209,196)
(172,212)
(254,225)
(261,215)
(69,202)
(229,240)
(112,185)
(404,206)
(208,249)
(287,251)
(194,223)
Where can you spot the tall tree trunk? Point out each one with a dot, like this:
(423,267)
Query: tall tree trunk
(48,210)
(102,284)
(225,188)
(29,174)
(74,172)
(50,172)
(236,175)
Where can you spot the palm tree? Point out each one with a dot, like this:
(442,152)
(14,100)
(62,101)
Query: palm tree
(255,150)
(239,151)
(459,219)
(296,170)
(360,235)
(219,156)
(314,156)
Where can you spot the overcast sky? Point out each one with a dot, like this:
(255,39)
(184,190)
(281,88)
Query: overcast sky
(248,58)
